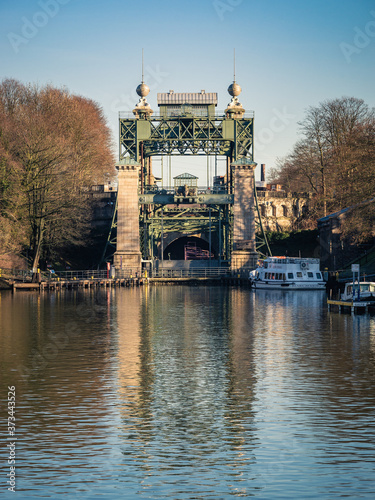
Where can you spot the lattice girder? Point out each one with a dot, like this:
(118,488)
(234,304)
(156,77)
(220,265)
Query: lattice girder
(187,136)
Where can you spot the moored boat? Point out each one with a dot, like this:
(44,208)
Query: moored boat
(288,273)
(361,291)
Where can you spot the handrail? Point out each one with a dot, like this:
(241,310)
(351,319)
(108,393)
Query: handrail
(197,190)
(219,115)
(198,272)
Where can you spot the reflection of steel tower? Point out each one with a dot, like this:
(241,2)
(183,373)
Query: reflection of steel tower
(223,215)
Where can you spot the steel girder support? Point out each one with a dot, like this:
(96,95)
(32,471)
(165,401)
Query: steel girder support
(112,235)
(243,139)
(219,223)
(261,241)
(182,135)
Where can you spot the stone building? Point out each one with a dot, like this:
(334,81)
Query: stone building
(280,210)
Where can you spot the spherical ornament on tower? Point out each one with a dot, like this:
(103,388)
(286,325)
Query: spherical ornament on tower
(234,89)
(143,90)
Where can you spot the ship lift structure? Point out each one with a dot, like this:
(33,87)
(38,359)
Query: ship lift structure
(217,221)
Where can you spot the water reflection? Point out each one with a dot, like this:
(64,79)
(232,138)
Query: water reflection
(55,348)
(184,384)
(178,392)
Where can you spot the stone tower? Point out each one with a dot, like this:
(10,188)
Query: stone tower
(244,253)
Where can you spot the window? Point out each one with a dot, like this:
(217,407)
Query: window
(299,274)
(273,211)
(310,274)
(263,210)
(290,276)
(319,276)
(285,211)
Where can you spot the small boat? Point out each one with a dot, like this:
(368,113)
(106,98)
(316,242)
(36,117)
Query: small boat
(288,273)
(362,291)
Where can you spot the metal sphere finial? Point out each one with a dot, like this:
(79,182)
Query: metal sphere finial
(143,90)
(234,89)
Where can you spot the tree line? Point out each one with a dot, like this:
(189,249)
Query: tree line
(53,146)
(335,160)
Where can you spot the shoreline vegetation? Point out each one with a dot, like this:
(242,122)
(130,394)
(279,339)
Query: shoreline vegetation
(53,146)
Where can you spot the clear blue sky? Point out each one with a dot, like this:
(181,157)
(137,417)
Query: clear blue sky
(289,55)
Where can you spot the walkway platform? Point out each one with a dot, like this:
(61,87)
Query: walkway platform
(127,282)
(353,306)
(74,284)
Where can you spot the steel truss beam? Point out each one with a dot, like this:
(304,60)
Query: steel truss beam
(186,135)
(261,241)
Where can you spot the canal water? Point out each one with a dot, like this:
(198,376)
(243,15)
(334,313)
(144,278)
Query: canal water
(187,393)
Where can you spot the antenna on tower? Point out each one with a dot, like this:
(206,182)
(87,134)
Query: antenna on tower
(142,66)
(234,65)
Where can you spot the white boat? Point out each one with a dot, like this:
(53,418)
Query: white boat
(288,273)
(366,291)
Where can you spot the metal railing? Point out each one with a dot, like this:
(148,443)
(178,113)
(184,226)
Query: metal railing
(180,190)
(205,272)
(18,274)
(199,272)
(218,115)
(79,275)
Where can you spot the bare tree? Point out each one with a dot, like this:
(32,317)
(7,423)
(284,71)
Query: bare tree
(335,158)
(61,145)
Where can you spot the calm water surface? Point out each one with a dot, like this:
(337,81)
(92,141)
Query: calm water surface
(187,393)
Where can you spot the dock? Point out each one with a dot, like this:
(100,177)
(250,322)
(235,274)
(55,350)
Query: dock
(354,307)
(76,284)
(71,284)
(88,279)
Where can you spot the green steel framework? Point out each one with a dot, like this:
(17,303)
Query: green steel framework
(183,135)
(143,138)
(162,212)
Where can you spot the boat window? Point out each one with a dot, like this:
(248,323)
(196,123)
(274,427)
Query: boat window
(319,276)
(299,274)
(365,288)
(283,277)
(290,276)
(310,274)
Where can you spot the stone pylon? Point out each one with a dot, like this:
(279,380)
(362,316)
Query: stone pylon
(244,253)
(128,255)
